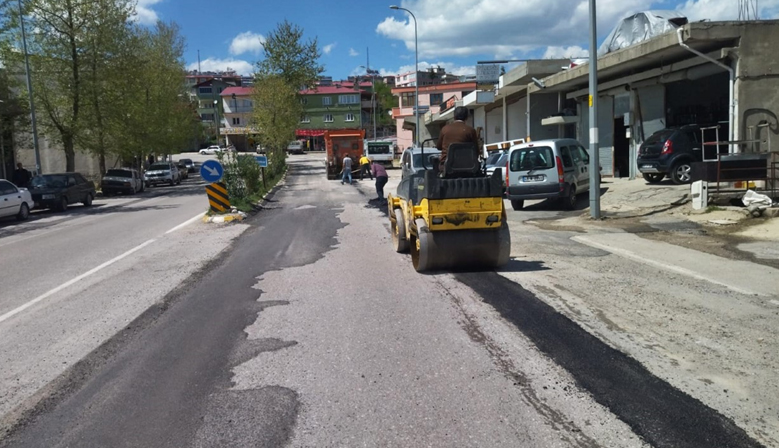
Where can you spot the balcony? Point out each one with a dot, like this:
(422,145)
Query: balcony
(230,109)
(406,111)
(366,104)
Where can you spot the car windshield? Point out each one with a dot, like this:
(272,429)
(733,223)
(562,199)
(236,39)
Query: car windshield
(50,181)
(119,173)
(378,149)
(534,158)
(186,161)
(159,167)
(493,158)
(428,163)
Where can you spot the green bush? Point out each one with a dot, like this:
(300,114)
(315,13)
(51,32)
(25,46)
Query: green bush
(243,178)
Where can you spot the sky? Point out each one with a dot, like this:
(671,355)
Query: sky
(453,34)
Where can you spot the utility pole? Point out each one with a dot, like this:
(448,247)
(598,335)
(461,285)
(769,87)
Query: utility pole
(594,151)
(29,92)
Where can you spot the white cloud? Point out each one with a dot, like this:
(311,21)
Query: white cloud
(565,52)
(215,65)
(247,42)
(501,28)
(450,67)
(352,52)
(724,9)
(144,14)
(328,48)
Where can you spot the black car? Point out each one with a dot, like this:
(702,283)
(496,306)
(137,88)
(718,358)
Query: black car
(670,152)
(189,164)
(59,190)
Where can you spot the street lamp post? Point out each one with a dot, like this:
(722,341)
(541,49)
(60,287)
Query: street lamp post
(216,120)
(29,92)
(416,70)
(373,98)
(594,150)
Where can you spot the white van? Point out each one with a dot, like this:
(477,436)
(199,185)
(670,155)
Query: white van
(296,147)
(547,169)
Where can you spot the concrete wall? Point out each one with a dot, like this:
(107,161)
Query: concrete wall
(542,105)
(517,127)
(757,83)
(493,130)
(53,158)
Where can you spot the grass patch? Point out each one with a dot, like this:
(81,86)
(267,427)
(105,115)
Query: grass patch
(714,208)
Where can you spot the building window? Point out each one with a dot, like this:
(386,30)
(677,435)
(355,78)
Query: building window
(204,90)
(326,101)
(349,117)
(407,99)
(436,99)
(348,99)
(220,90)
(247,103)
(207,117)
(304,101)
(328,118)
(305,119)
(236,121)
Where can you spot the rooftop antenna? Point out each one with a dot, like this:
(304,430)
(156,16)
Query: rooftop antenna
(748,10)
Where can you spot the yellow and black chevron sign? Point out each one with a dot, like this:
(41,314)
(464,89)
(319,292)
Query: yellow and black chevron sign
(217,197)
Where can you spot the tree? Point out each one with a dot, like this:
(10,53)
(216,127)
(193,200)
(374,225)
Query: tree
(287,56)
(277,113)
(289,66)
(385,102)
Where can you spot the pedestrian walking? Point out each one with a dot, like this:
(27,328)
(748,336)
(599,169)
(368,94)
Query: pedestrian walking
(21,176)
(365,167)
(347,170)
(381,179)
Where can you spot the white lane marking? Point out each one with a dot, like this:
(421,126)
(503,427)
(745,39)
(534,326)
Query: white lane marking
(59,288)
(305,207)
(667,266)
(186,223)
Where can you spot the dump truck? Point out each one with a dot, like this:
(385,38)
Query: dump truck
(340,143)
(452,217)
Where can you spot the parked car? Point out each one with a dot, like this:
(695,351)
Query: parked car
(60,190)
(121,180)
(497,161)
(670,152)
(211,150)
(547,169)
(162,173)
(296,147)
(183,171)
(411,161)
(189,164)
(14,201)
(261,149)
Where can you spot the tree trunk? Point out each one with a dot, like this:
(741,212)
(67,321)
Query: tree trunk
(70,153)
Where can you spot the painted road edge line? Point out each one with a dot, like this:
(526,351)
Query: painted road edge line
(59,288)
(666,266)
(186,223)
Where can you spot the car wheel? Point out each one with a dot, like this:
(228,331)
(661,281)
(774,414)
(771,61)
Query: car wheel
(24,212)
(654,178)
(517,204)
(63,205)
(681,173)
(178,182)
(172,182)
(88,200)
(569,202)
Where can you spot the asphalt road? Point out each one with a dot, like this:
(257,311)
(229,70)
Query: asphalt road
(310,331)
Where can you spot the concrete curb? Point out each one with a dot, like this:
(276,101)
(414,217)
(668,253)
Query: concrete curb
(229,217)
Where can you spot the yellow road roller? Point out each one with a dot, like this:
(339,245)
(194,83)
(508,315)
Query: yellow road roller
(449,218)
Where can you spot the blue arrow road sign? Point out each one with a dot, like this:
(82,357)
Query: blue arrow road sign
(262,161)
(211,171)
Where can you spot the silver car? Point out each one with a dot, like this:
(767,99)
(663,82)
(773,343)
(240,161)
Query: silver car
(14,201)
(547,169)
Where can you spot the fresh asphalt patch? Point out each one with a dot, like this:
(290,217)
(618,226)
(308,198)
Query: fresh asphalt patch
(165,380)
(663,415)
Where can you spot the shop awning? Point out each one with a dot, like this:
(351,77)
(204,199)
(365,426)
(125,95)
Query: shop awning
(310,132)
